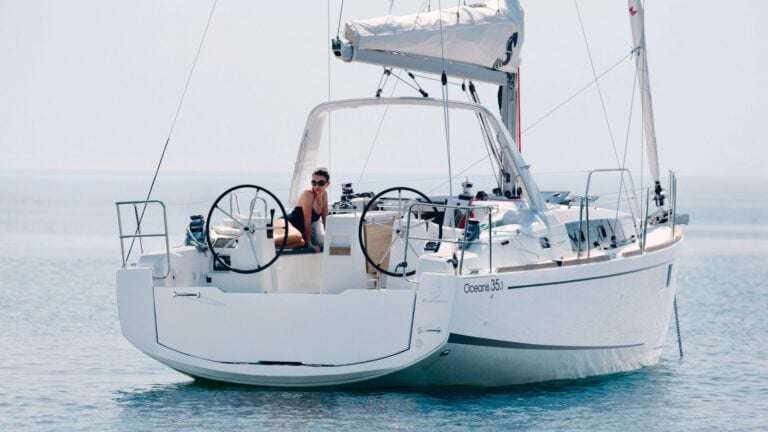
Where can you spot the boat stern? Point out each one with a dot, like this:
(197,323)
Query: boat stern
(136,306)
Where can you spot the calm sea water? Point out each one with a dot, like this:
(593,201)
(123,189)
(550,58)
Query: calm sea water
(64,364)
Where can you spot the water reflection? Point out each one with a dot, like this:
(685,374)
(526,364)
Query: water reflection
(204,405)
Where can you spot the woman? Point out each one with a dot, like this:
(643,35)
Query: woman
(311,207)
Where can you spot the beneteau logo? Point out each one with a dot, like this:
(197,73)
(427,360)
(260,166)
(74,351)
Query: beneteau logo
(434,295)
(632,10)
(511,44)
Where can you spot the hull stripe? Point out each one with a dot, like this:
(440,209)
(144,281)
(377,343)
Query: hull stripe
(495,343)
(589,278)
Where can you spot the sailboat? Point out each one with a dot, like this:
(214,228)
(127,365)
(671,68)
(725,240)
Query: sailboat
(497,287)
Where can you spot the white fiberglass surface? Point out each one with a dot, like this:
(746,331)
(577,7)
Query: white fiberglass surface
(353,327)
(368,143)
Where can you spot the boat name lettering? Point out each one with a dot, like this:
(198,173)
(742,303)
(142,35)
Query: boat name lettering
(489,286)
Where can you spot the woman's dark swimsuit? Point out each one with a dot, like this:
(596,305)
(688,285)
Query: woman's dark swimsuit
(296,218)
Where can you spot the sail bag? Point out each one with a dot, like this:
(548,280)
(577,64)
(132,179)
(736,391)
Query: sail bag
(484,34)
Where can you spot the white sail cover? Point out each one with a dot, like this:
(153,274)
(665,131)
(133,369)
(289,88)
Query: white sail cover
(485,34)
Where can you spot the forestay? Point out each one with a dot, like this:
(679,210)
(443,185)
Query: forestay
(485,34)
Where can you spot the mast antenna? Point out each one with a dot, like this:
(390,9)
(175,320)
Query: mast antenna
(173,123)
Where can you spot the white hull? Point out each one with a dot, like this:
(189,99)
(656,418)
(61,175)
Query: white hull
(528,326)
(534,339)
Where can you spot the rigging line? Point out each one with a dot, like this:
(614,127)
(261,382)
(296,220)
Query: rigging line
(487,147)
(622,186)
(328,30)
(412,180)
(420,90)
(486,133)
(539,173)
(442,45)
(486,129)
(183,94)
(391,5)
(173,123)
(328,34)
(581,90)
(409,84)
(378,129)
(642,161)
(446,116)
(338,28)
(418,14)
(458,174)
(597,85)
(429,78)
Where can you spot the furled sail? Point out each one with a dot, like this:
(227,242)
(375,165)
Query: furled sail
(484,34)
(637,19)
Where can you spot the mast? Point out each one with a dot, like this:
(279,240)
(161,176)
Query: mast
(637,19)
(509,115)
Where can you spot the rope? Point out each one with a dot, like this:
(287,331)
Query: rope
(581,90)
(424,5)
(622,186)
(429,78)
(642,161)
(418,89)
(183,95)
(446,116)
(486,133)
(458,174)
(173,123)
(594,73)
(471,98)
(621,164)
(677,326)
(378,129)
(328,27)
(338,28)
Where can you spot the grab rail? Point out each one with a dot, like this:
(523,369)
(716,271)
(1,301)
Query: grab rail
(672,201)
(584,205)
(463,241)
(141,236)
(670,214)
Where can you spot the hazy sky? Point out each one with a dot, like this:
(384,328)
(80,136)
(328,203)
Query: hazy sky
(94,84)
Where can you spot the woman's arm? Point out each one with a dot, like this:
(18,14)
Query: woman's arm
(325,207)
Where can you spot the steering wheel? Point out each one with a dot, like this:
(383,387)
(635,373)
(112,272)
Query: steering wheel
(400,199)
(246,230)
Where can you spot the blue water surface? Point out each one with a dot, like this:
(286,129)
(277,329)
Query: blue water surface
(64,364)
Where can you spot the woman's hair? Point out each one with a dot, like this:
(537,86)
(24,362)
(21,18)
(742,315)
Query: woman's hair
(322,172)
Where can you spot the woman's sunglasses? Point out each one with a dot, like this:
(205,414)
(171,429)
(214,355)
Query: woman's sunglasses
(320,183)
